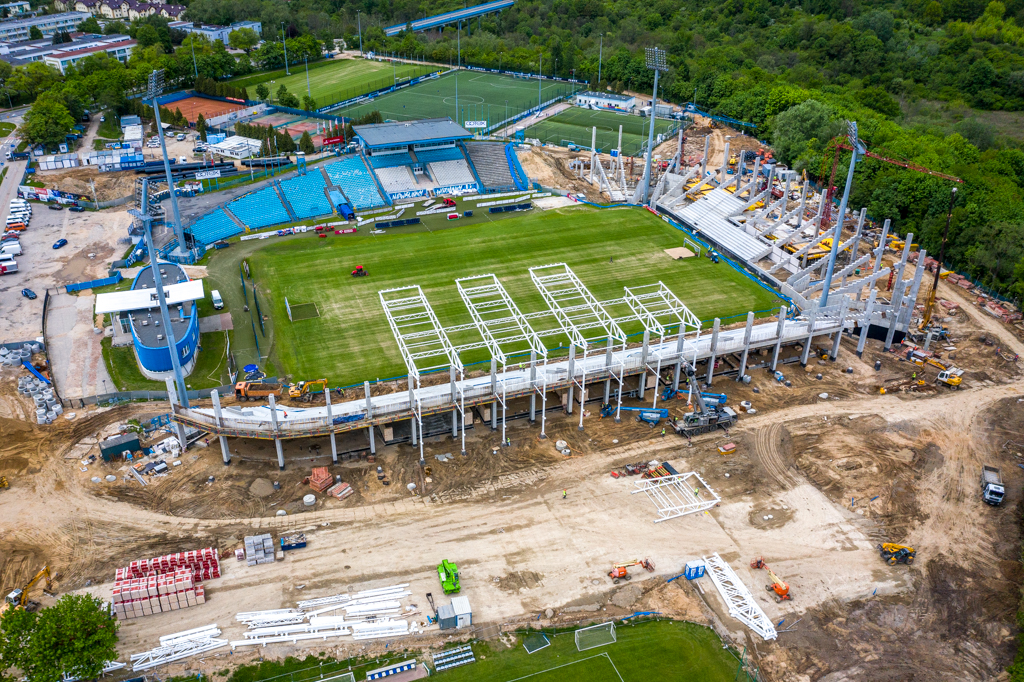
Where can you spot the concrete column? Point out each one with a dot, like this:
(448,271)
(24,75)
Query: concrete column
(412,408)
(572,374)
(725,165)
(704,161)
(844,306)
(330,425)
(373,444)
(783,311)
(369,402)
(896,309)
(172,397)
(494,392)
(608,366)
(746,345)
(714,349)
(533,382)
(277,438)
(455,402)
(868,310)
(881,247)
(856,241)
(225,453)
(643,363)
(679,361)
(810,337)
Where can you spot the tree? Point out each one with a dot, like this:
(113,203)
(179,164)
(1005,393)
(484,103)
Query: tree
(147,35)
(115,27)
(201,126)
(34,33)
(262,91)
(74,636)
(306,143)
(797,126)
(60,37)
(90,25)
(48,121)
(308,103)
(243,39)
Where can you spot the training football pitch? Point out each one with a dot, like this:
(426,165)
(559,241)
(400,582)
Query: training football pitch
(336,80)
(481,97)
(351,341)
(660,650)
(576,123)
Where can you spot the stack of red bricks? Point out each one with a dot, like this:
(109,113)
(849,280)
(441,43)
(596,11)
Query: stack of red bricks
(340,490)
(321,479)
(166,583)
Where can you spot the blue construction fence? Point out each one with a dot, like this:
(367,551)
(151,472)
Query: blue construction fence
(92,284)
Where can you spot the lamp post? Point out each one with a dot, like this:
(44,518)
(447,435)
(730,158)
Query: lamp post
(656,62)
(501,60)
(306,62)
(600,52)
(359,25)
(192,42)
(284,42)
(858,148)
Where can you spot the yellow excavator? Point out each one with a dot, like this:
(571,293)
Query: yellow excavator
(893,554)
(305,390)
(18,599)
(929,307)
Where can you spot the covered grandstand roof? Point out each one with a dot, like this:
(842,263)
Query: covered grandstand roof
(410,132)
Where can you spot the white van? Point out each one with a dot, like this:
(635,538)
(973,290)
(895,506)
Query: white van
(6,258)
(11,248)
(218,302)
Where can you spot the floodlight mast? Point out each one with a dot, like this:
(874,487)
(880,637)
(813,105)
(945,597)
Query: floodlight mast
(156,86)
(858,148)
(656,62)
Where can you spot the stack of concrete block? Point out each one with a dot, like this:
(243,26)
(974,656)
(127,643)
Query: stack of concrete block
(203,564)
(259,549)
(340,490)
(321,479)
(137,597)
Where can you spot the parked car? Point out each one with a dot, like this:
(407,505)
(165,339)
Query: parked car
(170,135)
(77,209)
(103,118)
(59,243)
(180,137)
(55,207)
(29,294)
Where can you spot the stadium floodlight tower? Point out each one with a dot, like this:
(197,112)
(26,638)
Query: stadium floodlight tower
(156,86)
(657,63)
(858,148)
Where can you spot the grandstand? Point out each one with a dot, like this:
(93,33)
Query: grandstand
(396,179)
(491,166)
(448,173)
(306,195)
(215,226)
(390,160)
(260,208)
(435,155)
(352,176)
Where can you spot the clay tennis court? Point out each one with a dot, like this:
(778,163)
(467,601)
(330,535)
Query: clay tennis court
(191,107)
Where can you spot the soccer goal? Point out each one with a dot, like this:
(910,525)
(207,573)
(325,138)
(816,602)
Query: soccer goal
(595,636)
(693,246)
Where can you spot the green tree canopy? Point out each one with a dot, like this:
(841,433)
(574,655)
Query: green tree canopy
(243,39)
(48,121)
(262,91)
(90,25)
(34,33)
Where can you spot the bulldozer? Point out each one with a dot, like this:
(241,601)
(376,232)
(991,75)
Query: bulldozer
(305,390)
(780,588)
(18,599)
(620,572)
(893,554)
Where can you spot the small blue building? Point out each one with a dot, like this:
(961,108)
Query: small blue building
(148,332)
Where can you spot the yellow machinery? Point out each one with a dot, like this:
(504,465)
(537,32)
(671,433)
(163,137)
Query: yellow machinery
(952,377)
(929,306)
(4,483)
(780,588)
(305,390)
(893,554)
(18,599)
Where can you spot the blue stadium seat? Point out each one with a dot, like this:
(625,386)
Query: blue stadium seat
(390,160)
(306,194)
(214,226)
(354,178)
(433,155)
(260,208)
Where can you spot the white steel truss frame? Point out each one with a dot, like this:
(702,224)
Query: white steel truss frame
(574,307)
(738,598)
(674,495)
(497,316)
(417,330)
(180,649)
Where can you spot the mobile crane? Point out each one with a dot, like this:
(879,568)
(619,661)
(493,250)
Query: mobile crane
(703,419)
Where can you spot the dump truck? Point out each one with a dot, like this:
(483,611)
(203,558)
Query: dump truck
(448,574)
(254,390)
(992,490)
(305,390)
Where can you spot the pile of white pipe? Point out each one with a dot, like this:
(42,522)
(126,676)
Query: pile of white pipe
(257,619)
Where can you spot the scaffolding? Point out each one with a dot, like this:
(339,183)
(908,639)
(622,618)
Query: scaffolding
(677,495)
(738,598)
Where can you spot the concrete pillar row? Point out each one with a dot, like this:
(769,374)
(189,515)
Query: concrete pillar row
(783,311)
(330,425)
(714,349)
(746,345)
(225,453)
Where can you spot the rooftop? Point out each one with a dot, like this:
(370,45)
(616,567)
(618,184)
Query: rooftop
(409,132)
(45,19)
(64,54)
(615,97)
(146,321)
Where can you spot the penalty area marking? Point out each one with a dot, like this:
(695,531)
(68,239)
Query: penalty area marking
(565,665)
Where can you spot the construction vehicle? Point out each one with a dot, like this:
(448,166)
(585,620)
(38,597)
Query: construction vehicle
(703,418)
(992,490)
(929,306)
(18,599)
(952,377)
(669,393)
(305,390)
(359,271)
(448,573)
(647,415)
(894,554)
(620,572)
(4,483)
(780,588)
(255,390)
(448,203)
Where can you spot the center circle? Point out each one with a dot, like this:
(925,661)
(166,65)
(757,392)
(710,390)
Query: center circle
(465,99)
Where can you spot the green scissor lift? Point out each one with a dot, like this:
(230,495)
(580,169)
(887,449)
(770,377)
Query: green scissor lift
(448,573)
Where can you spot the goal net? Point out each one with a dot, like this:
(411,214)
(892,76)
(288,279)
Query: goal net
(595,636)
(694,246)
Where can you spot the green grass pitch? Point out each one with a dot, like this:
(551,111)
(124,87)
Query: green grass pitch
(659,650)
(576,124)
(335,80)
(351,341)
(482,97)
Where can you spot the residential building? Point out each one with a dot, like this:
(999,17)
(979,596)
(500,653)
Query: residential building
(608,101)
(120,51)
(19,54)
(221,33)
(123,10)
(16,30)
(14,8)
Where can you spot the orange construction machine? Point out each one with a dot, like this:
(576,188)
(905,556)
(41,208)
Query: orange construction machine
(619,571)
(780,588)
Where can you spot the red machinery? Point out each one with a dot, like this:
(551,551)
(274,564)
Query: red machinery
(780,588)
(619,571)
(359,271)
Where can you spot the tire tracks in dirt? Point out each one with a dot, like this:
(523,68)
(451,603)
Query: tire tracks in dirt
(768,440)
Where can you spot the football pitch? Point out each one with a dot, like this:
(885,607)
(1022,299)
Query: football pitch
(575,124)
(350,341)
(481,97)
(658,650)
(335,80)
